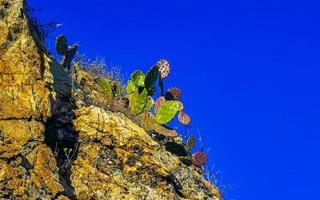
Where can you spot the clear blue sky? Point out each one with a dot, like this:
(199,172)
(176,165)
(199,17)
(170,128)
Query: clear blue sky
(249,71)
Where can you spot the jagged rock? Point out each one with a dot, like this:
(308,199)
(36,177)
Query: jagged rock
(117,159)
(28,168)
(59,138)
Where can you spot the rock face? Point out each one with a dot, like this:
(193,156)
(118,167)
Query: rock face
(59,141)
(28,168)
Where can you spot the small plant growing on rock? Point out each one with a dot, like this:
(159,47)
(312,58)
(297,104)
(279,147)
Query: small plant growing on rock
(68,52)
(191,142)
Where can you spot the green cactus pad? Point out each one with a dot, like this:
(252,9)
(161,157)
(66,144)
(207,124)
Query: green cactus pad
(137,102)
(61,45)
(151,77)
(131,88)
(185,160)
(105,85)
(116,89)
(177,149)
(167,111)
(150,103)
(138,78)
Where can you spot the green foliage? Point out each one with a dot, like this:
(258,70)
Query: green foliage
(131,88)
(105,85)
(118,89)
(150,103)
(167,111)
(138,78)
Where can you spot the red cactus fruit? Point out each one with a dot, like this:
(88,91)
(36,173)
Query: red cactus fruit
(199,158)
(175,93)
(158,103)
(184,118)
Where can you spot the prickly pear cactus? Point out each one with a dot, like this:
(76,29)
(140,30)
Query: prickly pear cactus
(151,77)
(131,88)
(67,59)
(176,148)
(150,103)
(173,93)
(184,118)
(61,45)
(68,53)
(105,85)
(185,160)
(117,90)
(158,103)
(167,111)
(199,158)
(138,78)
(137,102)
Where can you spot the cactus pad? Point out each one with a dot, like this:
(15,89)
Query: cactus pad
(138,78)
(150,103)
(62,45)
(151,78)
(137,102)
(159,103)
(107,90)
(130,88)
(167,111)
(185,160)
(177,149)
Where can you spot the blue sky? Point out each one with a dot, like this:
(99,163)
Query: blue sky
(249,71)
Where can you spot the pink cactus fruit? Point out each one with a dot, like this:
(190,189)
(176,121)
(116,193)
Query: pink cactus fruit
(164,68)
(158,103)
(199,158)
(184,118)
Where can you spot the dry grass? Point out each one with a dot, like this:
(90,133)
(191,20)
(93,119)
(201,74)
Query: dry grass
(99,67)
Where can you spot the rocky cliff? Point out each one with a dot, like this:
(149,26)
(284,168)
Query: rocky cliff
(59,138)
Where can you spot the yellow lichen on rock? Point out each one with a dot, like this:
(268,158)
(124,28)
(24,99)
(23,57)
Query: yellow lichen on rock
(116,151)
